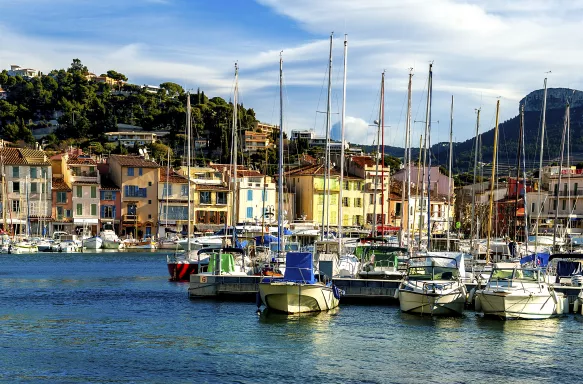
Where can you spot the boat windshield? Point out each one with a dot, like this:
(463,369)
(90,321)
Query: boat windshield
(515,274)
(432,273)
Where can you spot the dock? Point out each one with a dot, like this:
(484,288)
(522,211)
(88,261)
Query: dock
(357,291)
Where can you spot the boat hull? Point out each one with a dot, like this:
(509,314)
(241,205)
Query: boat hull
(93,243)
(521,305)
(441,304)
(291,298)
(181,271)
(111,244)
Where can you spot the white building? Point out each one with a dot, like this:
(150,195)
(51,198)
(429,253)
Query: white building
(82,175)
(129,139)
(26,199)
(16,70)
(306,134)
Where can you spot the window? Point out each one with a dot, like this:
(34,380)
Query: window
(184,190)
(16,187)
(60,211)
(555,204)
(33,188)
(79,190)
(221,198)
(249,212)
(533,209)
(15,205)
(264,195)
(575,189)
(108,211)
(135,191)
(565,189)
(556,189)
(358,202)
(574,205)
(79,209)
(174,213)
(107,195)
(93,192)
(346,202)
(140,171)
(93,209)
(205,197)
(371,199)
(44,173)
(130,171)
(564,204)
(398,210)
(249,195)
(149,201)
(167,190)
(15,171)
(68,213)
(346,185)
(33,173)
(149,183)
(43,188)
(359,186)
(149,216)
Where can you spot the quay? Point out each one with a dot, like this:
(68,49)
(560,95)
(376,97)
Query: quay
(357,291)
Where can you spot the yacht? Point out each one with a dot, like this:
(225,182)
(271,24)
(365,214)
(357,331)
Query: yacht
(109,238)
(382,262)
(514,292)
(433,284)
(94,242)
(298,291)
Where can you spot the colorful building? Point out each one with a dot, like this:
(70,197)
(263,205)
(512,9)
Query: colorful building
(172,203)
(138,179)
(109,204)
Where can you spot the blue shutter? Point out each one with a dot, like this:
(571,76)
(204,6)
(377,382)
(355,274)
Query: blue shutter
(102,195)
(126,190)
(113,212)
(249,212)
(140,171)
(250,195)
(169,189)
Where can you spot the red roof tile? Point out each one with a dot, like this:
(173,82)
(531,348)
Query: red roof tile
(241,170)
(311,170)
(81,160)
(363,161)
(23,156)
(172,177)
(133,161)
(59,184)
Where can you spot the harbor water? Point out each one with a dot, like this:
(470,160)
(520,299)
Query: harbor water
(115,318)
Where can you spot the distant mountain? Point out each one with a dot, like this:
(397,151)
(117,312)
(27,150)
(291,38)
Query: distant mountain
(463,158)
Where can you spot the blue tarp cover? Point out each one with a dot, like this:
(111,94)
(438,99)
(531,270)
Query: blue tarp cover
(568,268)
(266,239)
(299,268)
(543,259)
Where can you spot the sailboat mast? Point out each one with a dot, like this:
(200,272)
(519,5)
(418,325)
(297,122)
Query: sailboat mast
(188,138)
(492,182)
(383,152)
(473,215)
(430,95)
(406,159)
(566,126)
(523,154)
(325,208)
(427,117)
(449,171)
(540,164)
(234,183)
(342,121)
(167,180)
(520,133)
(280,164)
(376,177)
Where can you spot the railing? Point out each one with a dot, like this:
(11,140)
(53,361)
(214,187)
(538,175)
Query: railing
(130,217)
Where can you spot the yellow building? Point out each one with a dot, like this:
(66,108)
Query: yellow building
(308,185)
(138,179)
(211,198)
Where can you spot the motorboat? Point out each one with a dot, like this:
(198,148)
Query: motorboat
(44,245)
(66,246)
(348,266)
(381,262)
(147,244)
(23,247)
(513,292)
(109,238)
(182,265)
(433,284)
(93,243)
(169,243)
(298,291)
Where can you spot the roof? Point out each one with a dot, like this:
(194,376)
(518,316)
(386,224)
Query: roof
(23,156)
(83,160)
(172,177)
(108,184)
(311,170)
(59,184)
(133,161)
(363,161)
(241,170)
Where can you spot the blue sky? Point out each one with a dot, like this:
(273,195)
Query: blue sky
(481,50)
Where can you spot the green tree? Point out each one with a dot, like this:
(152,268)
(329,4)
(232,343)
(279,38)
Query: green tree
(116,75)
(172,89)
(78,67)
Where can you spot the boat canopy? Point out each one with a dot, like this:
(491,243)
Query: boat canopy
(568,269)
(440,259)
(227,262)
(540,259)
(299,268)
(265,239)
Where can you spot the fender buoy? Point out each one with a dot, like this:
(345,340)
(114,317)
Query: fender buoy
(576,305)
(471,296)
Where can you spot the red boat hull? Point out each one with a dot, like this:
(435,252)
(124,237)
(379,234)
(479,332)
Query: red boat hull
(182,271)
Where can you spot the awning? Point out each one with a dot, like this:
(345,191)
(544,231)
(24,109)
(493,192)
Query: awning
(520,212)
(85,221)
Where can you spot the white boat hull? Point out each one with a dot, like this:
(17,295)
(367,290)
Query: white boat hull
(290,297)
(111,244)
(93,243)
(521,305)
(449,303)
(23,249)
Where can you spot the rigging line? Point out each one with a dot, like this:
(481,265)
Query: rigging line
(324,79)
(371,117)
(421,99)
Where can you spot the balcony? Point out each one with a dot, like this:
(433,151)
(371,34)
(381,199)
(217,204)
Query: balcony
(87,177)
(379,186)
(131,218)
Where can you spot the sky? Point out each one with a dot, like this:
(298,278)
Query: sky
(481,51)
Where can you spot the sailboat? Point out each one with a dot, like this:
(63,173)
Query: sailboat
(298,291)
